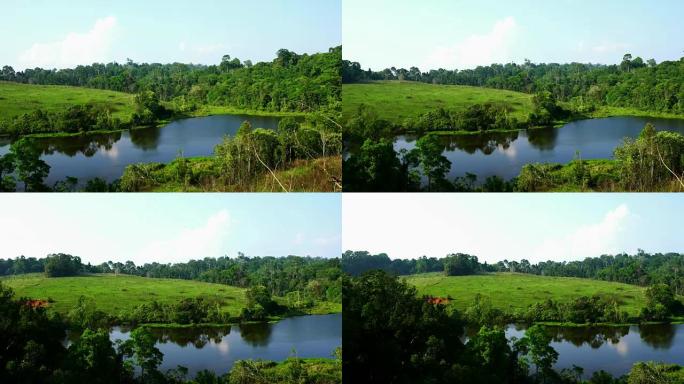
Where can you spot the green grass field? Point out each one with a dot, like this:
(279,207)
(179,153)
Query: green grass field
(113,294)
(511,291)
(17,99)
(397,100)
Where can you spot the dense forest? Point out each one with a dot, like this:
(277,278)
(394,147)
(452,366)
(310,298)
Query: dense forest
(645,85)
(291,82)
(35,352)
(393,336)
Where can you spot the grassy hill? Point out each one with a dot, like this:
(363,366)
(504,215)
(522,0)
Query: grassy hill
(114,293)
(511,291)
(17,99)
(396,100)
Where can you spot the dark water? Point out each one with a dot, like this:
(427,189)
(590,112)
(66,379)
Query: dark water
(504,154)
(613,349)
(106,155)
(217,349)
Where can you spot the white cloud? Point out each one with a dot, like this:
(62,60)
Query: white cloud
(590,240)
(610,48)
(75,49)
(492,47)
(204,241)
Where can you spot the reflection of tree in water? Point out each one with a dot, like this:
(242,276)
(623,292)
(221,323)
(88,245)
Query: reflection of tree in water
(486,143)
(145,138)
(198,337)
(88,145)
(658,336)
(543,139)
(256,334)
(592,336)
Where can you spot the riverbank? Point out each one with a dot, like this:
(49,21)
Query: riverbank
(314,175)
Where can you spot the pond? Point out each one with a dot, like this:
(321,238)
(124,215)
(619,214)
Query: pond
(107,155)
(613,349)
(504,154)
(217,349)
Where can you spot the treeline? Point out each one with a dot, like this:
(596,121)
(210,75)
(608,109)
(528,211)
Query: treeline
(291,82)
(648,86)
(643,269)
(34,352)
(279,275)
(356,263)
(393,336)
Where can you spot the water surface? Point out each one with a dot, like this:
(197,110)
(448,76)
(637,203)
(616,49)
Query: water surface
(217,349)
(613,349)
(107,155)
(504,154)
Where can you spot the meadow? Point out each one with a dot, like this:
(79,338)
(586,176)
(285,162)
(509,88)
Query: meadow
(117,293)
(17,99)
(512,291)
(395,100)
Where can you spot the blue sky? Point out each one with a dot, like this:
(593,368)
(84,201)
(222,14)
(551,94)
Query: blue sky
(53,33)
(537,227)
(170,227)
(463,34)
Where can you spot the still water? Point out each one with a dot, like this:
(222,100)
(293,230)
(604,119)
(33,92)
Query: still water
(217,349)
(613,349)
(107,155)
(504,154)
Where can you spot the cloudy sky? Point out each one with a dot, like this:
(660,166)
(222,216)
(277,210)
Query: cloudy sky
(61,33)
(464,34)
(537,227)
(169,227)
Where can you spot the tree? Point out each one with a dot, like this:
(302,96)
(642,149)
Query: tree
(535,346)
(29,167)
(7,181)
(93,359)
(142,350)
(433,164)
(61,264)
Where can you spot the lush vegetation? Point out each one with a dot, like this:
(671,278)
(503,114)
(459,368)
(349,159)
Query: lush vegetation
(403,101)
(645,85)
(652,162)
(291,82)
(552,94)
(608,289)
(224,290)
(391,335)
(240,163)
(18,99)
(34,352)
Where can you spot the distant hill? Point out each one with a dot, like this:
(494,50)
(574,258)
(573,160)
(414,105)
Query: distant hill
(17,99)
(395,100)
(511,291)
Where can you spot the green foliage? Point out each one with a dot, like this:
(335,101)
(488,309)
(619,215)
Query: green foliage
(291,82)
(661,303)
(30,169)
(535,349)
(460,264)
(93,359)
(434,166)
(651,160)
(524,296)
(392,336)
(653,87)
(376,167)
(141,351)
(400,103)
(655,373)
(61,264)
